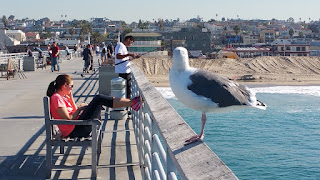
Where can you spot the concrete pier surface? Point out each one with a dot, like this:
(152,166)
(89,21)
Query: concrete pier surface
(22,132)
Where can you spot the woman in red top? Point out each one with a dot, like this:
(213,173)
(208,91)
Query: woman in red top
(62,106)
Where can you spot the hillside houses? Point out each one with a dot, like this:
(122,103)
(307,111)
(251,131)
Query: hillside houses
(194,34)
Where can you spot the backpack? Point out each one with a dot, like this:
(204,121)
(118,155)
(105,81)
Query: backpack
(103,50)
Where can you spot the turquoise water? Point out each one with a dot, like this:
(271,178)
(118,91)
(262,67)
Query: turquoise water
(282,142)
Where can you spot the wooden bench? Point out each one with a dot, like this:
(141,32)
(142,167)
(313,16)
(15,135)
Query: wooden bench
(51,138)
(8,68)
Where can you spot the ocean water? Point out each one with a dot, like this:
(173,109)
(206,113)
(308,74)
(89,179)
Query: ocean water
(282,142)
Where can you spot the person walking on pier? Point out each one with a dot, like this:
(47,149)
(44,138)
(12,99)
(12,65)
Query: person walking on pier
(62,106)
(97,50)
(122,60)
(68,53)
(110,50)
(87,55)
(103,53)
(54,56)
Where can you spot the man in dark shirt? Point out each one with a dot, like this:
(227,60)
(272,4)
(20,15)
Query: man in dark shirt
(110,50)
(87,55)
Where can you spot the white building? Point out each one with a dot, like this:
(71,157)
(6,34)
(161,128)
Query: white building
(17,34)
(5,40)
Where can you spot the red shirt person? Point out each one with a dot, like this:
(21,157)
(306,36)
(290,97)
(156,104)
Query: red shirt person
(54,56)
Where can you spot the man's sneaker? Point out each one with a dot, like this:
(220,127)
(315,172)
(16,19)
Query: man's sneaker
(136,103)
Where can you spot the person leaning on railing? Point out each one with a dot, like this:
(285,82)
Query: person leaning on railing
(62,106)
(122,61)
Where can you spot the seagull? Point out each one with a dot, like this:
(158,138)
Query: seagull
(206,91)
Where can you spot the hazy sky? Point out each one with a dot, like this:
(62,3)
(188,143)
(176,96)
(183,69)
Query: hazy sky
(133,10)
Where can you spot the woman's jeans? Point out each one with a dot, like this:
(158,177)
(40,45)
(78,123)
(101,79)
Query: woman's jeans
(97,102)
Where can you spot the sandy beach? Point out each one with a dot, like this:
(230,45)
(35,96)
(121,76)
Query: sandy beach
(265,70)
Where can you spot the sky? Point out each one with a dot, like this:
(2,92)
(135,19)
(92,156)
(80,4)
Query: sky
(134,10)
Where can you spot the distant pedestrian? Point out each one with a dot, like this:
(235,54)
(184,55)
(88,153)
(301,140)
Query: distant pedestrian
(54,56)
(76,50)
(87,55)
(30,54)
(91,60)
(39,51)
(122,60)
(103,53)
(97,50)
(110,50)
(68,53)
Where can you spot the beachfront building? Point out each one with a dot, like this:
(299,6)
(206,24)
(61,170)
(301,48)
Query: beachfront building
(249,52)
(291,48)
(145,42)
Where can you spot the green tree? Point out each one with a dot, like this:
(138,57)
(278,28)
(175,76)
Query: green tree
(82,37)
(86,28)
(290,19)
(143,25)
(72,31)
(200,25)
(223,19)
(11,17)
(314,28)
(5,21)
(301,34)
(212,20)
(123,24)
(236,30)
(161,24)
(291,32)
(46,35)
(97,38)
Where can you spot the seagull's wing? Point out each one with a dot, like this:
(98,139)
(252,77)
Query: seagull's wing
(219,89)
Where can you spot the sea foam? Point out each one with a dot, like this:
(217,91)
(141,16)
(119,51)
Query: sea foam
(304,90)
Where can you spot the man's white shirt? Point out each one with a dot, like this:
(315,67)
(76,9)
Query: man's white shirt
(123,67)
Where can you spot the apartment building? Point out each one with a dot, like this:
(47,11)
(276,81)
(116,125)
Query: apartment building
(248,39)
(267,36)
(145,42)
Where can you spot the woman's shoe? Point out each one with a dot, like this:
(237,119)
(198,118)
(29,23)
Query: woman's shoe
(137,101)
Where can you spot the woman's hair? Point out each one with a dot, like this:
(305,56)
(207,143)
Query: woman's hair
(58,83)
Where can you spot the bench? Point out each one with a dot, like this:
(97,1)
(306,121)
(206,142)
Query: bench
(8,68)
(53,139)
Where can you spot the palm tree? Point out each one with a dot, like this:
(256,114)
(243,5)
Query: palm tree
(97,38)
(291,32)
(236,30)
(72,31)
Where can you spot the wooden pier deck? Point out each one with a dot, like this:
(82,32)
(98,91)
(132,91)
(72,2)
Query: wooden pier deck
(22,135)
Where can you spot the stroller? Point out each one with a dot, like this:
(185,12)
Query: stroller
(88,65)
